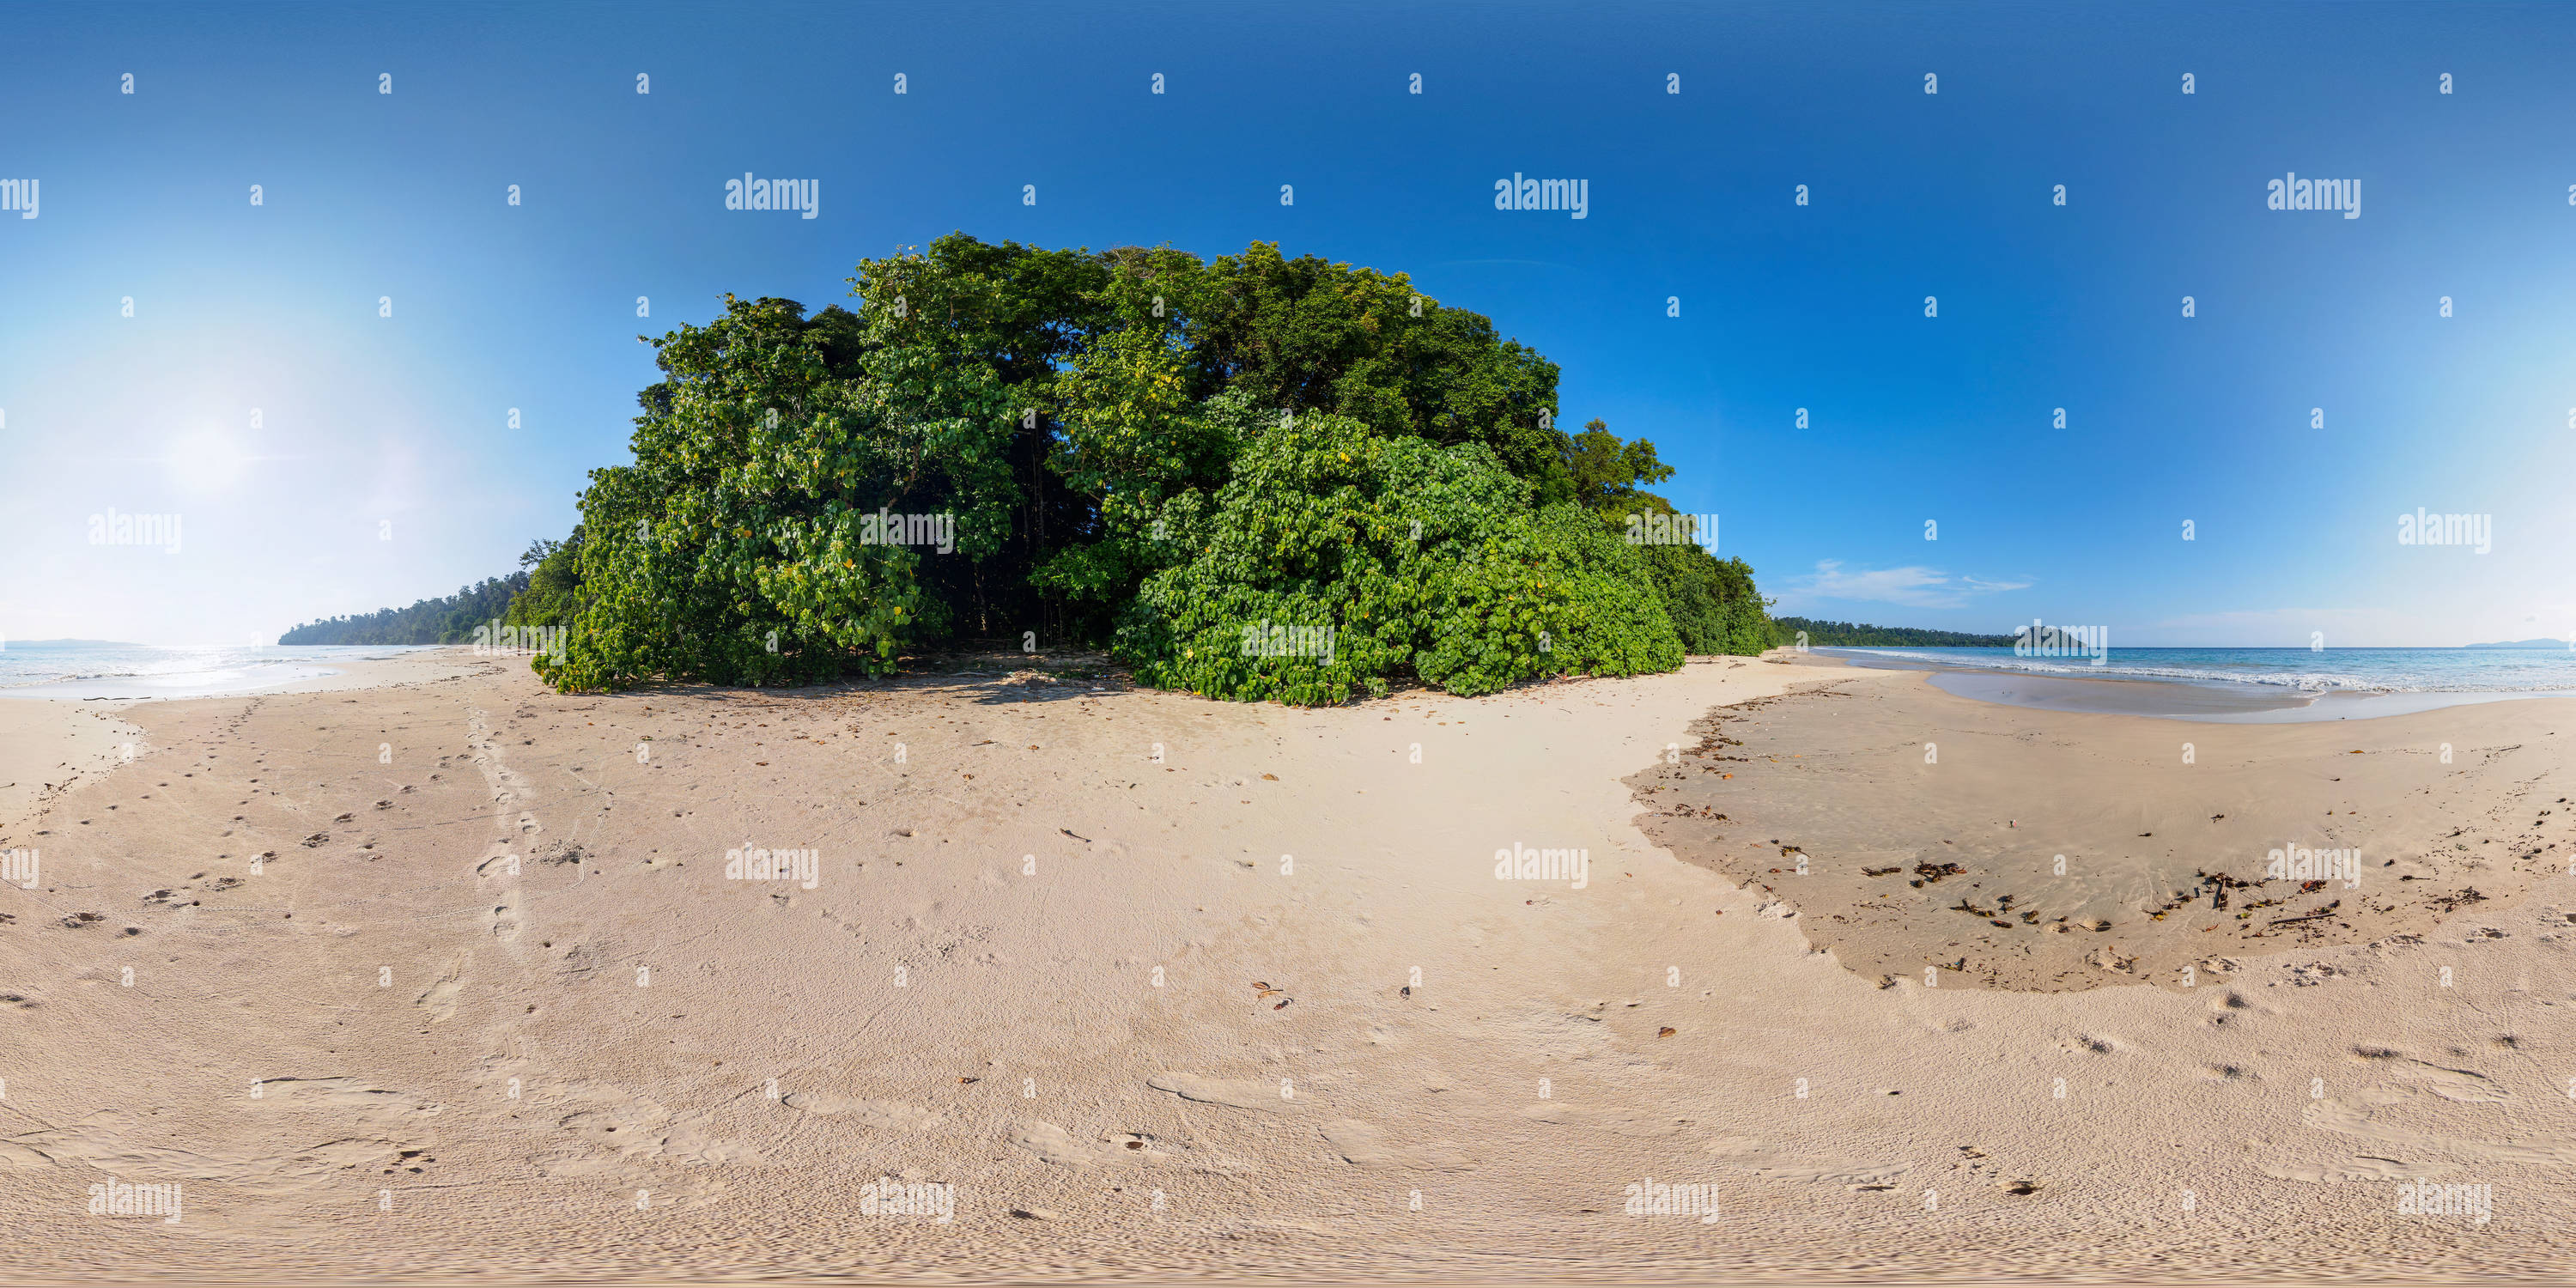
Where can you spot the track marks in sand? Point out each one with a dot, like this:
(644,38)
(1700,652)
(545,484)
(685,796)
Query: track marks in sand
(104,1142)
(510,794)
(1263,1096)
(2378,1113)
(2461,1085)
(1053,1145)
(1617,1122)
(882,1115)
(2362,1167)
(630,1126)
(1768,1163)
(347,1097)
(1364,1144)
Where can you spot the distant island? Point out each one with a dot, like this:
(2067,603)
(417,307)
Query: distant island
(1855,635)
(2542,642)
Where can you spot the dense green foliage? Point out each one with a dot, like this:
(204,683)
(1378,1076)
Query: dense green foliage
(1338,559)
(553,594)
(1850,635)
(1712,601)
(738,546)
(1136,447)
(448,620)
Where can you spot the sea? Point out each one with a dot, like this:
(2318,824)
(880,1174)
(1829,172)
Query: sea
(106,669)
(2249,685)
(2373,670)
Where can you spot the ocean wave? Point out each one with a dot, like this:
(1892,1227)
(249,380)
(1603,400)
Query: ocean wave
(2304,681)
(32,666)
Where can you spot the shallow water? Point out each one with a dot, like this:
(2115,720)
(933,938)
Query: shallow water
(78,669)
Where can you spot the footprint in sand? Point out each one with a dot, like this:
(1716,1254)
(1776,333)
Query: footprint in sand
(504,918)
(440,1000)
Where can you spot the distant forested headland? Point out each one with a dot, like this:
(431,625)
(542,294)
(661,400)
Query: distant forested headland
(1854,635)
(1248,477)
(447,620)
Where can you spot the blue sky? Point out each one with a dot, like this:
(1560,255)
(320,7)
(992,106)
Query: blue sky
(383,468)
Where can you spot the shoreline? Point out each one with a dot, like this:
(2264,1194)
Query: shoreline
(292,675)
(2175,698)
(52,743)
(1909,826)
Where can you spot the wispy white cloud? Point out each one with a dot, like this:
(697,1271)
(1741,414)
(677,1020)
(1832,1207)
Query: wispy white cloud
(1913,586)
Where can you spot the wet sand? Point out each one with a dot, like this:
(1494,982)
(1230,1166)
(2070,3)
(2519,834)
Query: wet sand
(2207,703)
(2028,848)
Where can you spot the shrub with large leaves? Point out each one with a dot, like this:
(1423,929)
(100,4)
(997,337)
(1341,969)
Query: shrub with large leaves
(1337,561)
(737,549)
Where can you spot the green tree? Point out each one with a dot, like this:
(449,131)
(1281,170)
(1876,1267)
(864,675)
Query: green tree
(738,546)
(553,594)
(1083,421)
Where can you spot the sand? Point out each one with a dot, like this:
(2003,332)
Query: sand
(2039,849)
(441,976)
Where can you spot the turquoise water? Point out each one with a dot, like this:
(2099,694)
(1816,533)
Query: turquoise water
(2385,670)
(81,668)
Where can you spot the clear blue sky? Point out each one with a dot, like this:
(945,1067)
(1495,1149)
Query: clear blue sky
(370,421)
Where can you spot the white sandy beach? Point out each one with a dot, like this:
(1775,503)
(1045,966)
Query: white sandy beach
(438,976)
